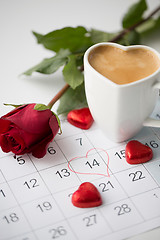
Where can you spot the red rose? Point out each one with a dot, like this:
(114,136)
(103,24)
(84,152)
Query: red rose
(26,130)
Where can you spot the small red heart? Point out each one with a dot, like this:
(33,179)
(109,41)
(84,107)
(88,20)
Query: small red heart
(80,118)
(137,153)
(86,196)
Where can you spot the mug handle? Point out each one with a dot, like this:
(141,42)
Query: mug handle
(150,122)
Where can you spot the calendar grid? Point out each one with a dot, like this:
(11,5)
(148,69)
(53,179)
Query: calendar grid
(20,207)
(35,194)
(54,200)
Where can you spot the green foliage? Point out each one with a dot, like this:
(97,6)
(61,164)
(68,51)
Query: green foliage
(74,39)
(13,105)
(149,26)
(131,38)
(72,99)
(100,36)
(134,14)
(40,107)
(72,75)
(50,65)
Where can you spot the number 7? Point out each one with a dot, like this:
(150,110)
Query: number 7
(80,140)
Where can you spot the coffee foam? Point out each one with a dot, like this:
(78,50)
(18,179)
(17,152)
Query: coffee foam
(123,67)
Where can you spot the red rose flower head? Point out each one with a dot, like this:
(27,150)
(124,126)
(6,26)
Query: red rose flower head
(27,130)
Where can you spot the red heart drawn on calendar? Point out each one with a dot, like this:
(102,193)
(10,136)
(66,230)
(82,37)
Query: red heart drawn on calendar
(137,152)
(90,162)
(86,196)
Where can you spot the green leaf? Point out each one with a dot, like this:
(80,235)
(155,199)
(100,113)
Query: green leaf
(134,14)
(131,38)
(40,107)
(149,26)
(72,99)
(13,105)
(100,36)
(72,75)
(75,39)
(50,65)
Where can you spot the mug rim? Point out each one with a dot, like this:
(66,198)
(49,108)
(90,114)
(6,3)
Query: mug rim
(125,48)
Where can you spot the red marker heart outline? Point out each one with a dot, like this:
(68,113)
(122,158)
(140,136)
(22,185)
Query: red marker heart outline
(106,175)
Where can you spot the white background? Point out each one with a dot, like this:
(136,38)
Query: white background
(19,50)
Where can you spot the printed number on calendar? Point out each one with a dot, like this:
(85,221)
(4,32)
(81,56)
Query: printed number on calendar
(152,144)
(63,173)
(93,164)
(11,218)
(90,221)
(80,141)
(120,154)
(57,232)
(51,150)
(106,186)
(138,175)
(45,206)
(123,209)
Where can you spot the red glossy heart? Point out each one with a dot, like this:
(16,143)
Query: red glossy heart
(137,153)
(86,196)
(80,118)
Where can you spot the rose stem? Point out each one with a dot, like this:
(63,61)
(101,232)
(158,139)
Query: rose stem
(118,37)
(121,34)
(58,95)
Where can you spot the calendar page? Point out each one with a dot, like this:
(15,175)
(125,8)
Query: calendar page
(35,194)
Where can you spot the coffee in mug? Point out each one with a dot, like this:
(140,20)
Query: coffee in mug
(123,67)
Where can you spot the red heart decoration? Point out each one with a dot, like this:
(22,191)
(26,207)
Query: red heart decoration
(80,118)
(86,196)
(137,152)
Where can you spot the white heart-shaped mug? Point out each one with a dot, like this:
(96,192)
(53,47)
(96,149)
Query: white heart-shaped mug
(121,110)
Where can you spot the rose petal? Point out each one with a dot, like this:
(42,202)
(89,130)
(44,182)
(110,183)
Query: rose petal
(4,125)
(40,149)
(4,144)
(31,120)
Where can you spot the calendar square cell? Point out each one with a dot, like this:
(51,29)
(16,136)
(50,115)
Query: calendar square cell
(154,168)
(136,180)
(121,215)
(53,157)
(90,166)
(20,165)
(45,210)
(117,160)
(90,224)
(99,140)
(63,199)
(150,208)
(109,189)
(13,223)
(77,145)
(28,188)
(59,178)
(56,231)
(7,199)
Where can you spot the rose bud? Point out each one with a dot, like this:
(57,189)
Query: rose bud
(27,130)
